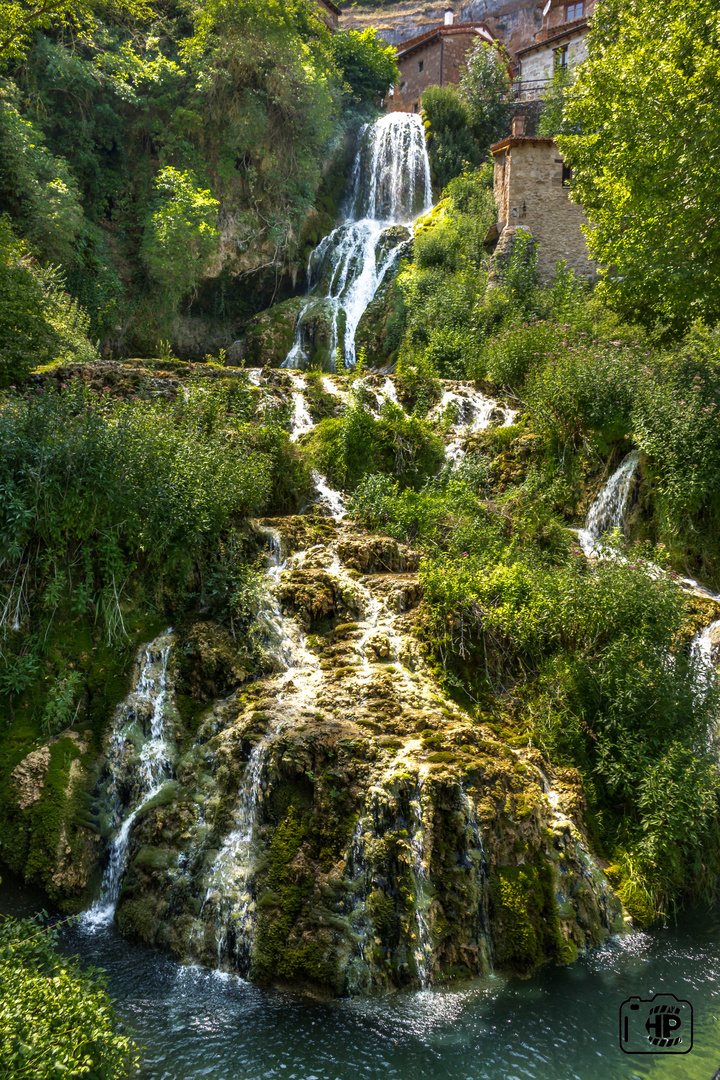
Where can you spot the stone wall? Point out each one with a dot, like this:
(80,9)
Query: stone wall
(540,62)
(529,192)
(448,50)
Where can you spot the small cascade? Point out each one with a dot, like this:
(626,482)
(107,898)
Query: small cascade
(473,412)
(610,507)
(230,878)
(704,649)
(332,501)
(286,642)
(230,888)
(302,421)
(391,186)
(135,777)
(422,945)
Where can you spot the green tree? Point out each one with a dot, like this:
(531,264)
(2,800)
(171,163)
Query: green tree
(20,19)
(36,187)
(367,63)
(181,235)
(39,322)
(486,88)
(648,100)
(451,145)
(552,122)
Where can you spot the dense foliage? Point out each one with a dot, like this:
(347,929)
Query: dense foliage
(56,1019)
(464,121)
(162,156)
(647,101)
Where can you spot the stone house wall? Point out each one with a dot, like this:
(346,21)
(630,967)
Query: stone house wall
(539,61)
(529,192)
(442,55)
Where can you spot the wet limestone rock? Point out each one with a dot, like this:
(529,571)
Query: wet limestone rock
(269,335)
(57,843)
(341,825)
(211,662)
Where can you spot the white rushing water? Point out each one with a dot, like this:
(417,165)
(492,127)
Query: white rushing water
(142,718)
(472,411)
(390,187)
(422,944)
(608,511)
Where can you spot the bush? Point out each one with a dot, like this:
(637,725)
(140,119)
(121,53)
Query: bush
(583,391)
(56,1019)
(520,348)
(348,447)
(120,491)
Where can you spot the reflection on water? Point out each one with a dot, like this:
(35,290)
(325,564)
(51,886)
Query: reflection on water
(560,1025)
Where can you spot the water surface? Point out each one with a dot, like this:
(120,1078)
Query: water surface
(562,1024)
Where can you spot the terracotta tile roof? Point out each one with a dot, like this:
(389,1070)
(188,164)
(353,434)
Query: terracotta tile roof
(515,140)
(411,44)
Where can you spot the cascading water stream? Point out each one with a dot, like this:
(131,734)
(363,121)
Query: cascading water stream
(230,880)
(145,707)
(391,186)
(606,515)
(608,511)
(423,946)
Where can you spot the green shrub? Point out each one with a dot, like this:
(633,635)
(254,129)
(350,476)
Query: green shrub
(348,447)
(582,390)
(114,488)
(56,1018)
(518,349)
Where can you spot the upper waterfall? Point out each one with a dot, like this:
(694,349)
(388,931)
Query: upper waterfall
(390,186)
(391,174)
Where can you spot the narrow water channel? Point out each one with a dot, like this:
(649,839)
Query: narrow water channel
(562,1024)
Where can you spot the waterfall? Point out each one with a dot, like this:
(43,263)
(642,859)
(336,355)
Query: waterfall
(390,187)
(473,412)
(231,885)
(422,945)
(609,509)
(230,878)
(135,777)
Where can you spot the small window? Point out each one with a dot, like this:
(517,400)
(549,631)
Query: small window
(421,65)
(415,106)
(566,176)
(575,11)
(561,57)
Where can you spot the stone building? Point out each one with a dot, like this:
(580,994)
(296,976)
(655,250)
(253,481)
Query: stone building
(434,58)
(560,43)
(532,192)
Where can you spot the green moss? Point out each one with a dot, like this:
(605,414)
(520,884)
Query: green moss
(527,925)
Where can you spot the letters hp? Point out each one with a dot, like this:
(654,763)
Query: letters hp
(660,1025)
